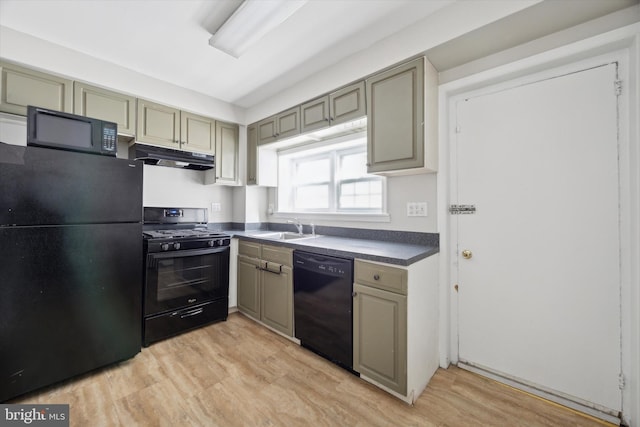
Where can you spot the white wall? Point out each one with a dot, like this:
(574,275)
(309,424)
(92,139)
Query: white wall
(162,186)
(400,190)
(165,186)
(444,25)
(39,54)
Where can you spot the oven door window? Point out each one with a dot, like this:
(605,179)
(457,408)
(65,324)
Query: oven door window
(178,279)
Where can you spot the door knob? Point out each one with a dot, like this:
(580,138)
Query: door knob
(467,254)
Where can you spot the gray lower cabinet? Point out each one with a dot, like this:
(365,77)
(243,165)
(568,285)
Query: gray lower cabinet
(341,106)
(265,285)
(396,119)
(21,87)
(395,325)
(227,145)
(277,297)
(249,286)
(92,101)
(380,327)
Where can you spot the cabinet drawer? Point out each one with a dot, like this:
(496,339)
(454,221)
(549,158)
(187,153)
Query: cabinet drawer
(277,254)
(249,249)
(381,276)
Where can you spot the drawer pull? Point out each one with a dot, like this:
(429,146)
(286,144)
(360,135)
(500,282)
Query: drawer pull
(376,277)
(192,313)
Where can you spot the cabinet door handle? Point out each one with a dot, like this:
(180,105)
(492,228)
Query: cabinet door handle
(354,294)
(376,277)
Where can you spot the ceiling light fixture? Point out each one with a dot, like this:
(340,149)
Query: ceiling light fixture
(250,22)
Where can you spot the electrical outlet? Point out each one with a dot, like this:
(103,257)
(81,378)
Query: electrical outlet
(216,207)
(416,208)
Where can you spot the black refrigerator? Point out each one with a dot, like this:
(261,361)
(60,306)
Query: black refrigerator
(70,264)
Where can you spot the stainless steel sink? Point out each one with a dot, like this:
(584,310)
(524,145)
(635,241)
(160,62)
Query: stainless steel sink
(282,235)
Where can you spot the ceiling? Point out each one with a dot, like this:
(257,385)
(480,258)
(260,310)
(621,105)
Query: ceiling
(168,39)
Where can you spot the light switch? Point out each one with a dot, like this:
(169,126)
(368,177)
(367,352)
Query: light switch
(416,208)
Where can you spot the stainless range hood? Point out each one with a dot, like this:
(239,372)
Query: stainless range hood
(160,156)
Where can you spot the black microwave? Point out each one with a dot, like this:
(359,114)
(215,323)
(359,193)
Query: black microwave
(65,131)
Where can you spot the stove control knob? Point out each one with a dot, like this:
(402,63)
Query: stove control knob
(212,243)
(176,246)
(164,246)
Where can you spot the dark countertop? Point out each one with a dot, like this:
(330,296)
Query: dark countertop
(373,250)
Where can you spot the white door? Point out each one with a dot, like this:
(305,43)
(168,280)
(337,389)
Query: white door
(539,298)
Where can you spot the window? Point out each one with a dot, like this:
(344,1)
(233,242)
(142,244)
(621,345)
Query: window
(329,177)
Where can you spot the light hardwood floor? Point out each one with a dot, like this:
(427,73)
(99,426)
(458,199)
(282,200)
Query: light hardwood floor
(238,373)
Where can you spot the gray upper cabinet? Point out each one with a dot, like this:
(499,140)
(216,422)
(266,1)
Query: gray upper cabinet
(21,87)
(197,133)
(280,126)
(347,104)
(252,155)
(267,130)
(158,124)
(169,127)
(226,153)
(395,130)
(341,106)
(288,123)
(315,114)
(104,104)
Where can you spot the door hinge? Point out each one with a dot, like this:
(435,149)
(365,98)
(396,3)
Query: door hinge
(462,209)
(617,85)
(621,383)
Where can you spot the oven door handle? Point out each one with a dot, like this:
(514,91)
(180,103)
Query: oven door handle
(189,313)
(189,252)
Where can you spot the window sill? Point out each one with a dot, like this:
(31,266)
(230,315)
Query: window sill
(333,216)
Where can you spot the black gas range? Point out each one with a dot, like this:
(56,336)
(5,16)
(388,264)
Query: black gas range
(184,239)
(186,272)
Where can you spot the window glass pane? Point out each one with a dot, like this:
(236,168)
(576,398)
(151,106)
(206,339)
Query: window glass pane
(353,165)
(329,177)
(312,197)
(313,171)
(361,195)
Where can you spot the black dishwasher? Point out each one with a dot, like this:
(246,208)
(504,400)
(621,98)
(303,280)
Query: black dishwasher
(323,305)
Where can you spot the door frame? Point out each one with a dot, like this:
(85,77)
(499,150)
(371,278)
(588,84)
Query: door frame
(622,46)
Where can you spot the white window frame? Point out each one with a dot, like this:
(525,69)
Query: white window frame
(318,151)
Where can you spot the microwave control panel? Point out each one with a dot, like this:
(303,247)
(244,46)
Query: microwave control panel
(109,137)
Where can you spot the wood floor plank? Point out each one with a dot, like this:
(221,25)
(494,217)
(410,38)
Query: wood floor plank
(238,373)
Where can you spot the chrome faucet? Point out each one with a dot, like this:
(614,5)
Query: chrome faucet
(297,223)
